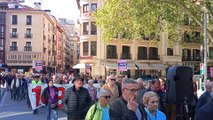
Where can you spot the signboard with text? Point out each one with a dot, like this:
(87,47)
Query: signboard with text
(122,65)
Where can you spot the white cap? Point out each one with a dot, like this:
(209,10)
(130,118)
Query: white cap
(102,92)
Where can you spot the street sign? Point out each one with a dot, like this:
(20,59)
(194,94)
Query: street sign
(122,65)
(201,68)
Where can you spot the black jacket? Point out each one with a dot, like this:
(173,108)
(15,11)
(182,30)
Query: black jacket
(76,103)
(205,112)
(46,93)
(121,112)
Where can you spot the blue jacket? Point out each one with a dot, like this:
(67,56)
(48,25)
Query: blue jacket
(159,115)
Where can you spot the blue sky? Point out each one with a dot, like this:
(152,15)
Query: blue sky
(59,8)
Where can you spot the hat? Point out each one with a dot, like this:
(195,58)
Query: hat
(35,75)
(102,92)
(77,77)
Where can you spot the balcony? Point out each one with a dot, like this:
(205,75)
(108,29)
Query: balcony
(28,35)
(27,48)
(112,55)
(126,56)
(13,48)
(175,58)
(94,32)
(142,57)
(154,57)
(191,58)
(13,35)
(85,32)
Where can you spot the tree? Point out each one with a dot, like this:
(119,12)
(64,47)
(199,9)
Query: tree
(134,19)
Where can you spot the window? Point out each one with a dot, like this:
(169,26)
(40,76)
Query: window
(14,43)
(93,48)
(112,52)
(28,47)
(196,37)
(186,37)
(153,53)
(1,44)
(210,52)
(85,8)
(14,33)
(186,55)
(2,18)
(169,51)
(85,48)
(29,20)
(28,33)
(14,19)
(28,44)
(85,28)
(93,7)
(2,31)
(2,55)
(93,28)
(125,52)
(13,46)
(142,53)
(196,54)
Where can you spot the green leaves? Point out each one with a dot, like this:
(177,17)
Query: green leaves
(134,17)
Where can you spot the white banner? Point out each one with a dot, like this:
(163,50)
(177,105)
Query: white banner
(35,92)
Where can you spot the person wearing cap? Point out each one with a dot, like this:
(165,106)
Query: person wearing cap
(92,91)
(100,110)
(112,87)
(50,99)
(76,100)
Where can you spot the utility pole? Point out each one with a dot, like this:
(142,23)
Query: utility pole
(205,44)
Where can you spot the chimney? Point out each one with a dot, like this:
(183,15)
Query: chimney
(37,5)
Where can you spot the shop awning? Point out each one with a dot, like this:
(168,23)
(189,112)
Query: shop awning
(79,66)
(113,65)
(158,66)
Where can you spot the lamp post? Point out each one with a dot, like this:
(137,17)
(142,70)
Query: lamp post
(205,43)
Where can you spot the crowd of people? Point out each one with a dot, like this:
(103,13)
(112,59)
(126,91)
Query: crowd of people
(114,98)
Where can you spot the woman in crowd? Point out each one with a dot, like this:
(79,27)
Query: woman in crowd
(100,110)
(151,101)
(50,99)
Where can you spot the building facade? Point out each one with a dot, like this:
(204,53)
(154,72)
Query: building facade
(152,58)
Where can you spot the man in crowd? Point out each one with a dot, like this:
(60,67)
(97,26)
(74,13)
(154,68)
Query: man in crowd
(76,101)
(111,87)
(127,107)
(205,97)
(205,112)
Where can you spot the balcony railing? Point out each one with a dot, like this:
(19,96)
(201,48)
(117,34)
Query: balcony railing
(126,56)
(13,35)
(191,58)
(13,48)
(112,55)
(94,32)
(28,36)
(154,57)
(142,57)
(85,32)
(27,48)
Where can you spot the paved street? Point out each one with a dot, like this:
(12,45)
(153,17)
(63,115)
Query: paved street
(10,110)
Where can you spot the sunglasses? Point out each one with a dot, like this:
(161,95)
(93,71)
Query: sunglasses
(154,102)
(106,97)
(112,79)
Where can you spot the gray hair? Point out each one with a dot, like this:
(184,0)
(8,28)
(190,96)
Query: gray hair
(208,84)
(140,80)
(102,92)
(128,81)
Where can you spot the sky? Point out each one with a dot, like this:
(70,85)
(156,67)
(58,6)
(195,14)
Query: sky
(59,8)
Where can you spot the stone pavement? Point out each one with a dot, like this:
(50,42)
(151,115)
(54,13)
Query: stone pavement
(10,110)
